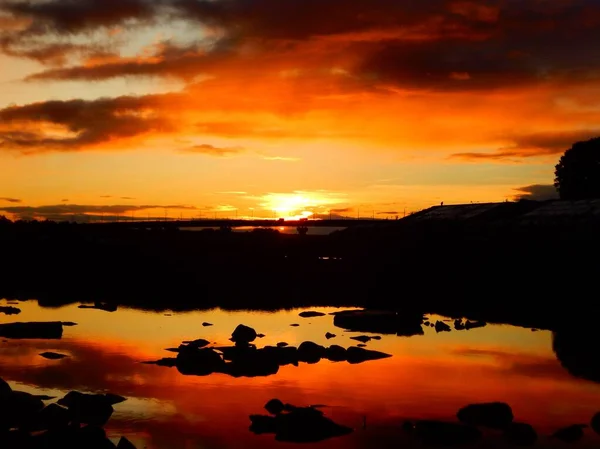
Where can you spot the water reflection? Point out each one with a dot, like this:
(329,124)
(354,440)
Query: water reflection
(428,377)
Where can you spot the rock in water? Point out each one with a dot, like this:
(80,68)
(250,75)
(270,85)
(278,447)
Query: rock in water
(243,334)
(521,434)
(274,407)
(358,355)
(495,415)
(124,443)
(33,330)
(9,310)
(4,387)
(440,326)
(570,434)
(310,314)
(595,421)
(329,335)
(53,355)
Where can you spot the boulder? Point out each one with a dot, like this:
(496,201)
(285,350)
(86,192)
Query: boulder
(440,326)
(243,334)
(17,408)
(53,355)
(91,409)
(361,338)
(570,434)
(336,353)
(4,387)
(310,352)
(274,407)
(124,443)
(329,335)
(9,310)
(199,362)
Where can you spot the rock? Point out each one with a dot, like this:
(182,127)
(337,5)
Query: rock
(458,325)
(53,416)
(169,362)
(252,364)
(361,338)
(310,352)
(329,335)
(100,306)
(260,335)
(274,407)
(442,327)
(17,408)
(570,434)
(495,415)
(595,423)
(336,353)
(44,397)
(359,355)
(376,337)
(361,345)
(294,325)
(199,362)
(206,324)
(69,323)
(4,387)
(114,398)
(474,324)
(200,343)
(53,355)
(446,434)
(93,437)
(243,334)
(287,355)
(91,409)
(9,310)
(520,434)
(32,330)
(426,323)
(124,443)
(298,425)
(282,344)
(310,314)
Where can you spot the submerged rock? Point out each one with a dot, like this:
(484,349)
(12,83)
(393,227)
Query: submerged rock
(274,407)
(310,314)
(205,324)
(520,434)
(32,330)
(495,415)
(310,352)
(440,433)
(282,344)
(474,324)
(329,335)
(200,343)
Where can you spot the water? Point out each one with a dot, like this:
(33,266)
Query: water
(427,377)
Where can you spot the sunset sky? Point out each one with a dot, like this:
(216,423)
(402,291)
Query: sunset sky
(289,107)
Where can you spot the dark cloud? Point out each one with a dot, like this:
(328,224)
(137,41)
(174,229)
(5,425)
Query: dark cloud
(127,198)
(78,211)
(65,200)
(75,16)
(341,210)
(213,151)
(86,123)
(10,200)
(533,145)
(438,44)
(536,192)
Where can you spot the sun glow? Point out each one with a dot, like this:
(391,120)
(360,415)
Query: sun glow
(298,205)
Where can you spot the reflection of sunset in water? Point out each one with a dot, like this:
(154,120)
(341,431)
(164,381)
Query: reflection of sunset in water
(429,376)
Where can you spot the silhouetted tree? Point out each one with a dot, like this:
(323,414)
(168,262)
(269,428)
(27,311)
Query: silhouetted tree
(578,171)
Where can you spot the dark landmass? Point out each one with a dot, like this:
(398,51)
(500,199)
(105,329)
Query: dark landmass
(493,267)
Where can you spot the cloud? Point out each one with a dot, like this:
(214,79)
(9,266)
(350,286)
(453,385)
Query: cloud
(127,198)
(10,200)
(438,44)
(212,150)
(65,200)
(281,158)
(79,124)
(536,192)
(533,145)
(69,211)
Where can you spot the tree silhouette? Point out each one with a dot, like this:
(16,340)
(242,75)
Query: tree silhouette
(578,171)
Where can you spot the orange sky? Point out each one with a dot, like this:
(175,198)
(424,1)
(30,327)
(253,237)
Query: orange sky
(138,107)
